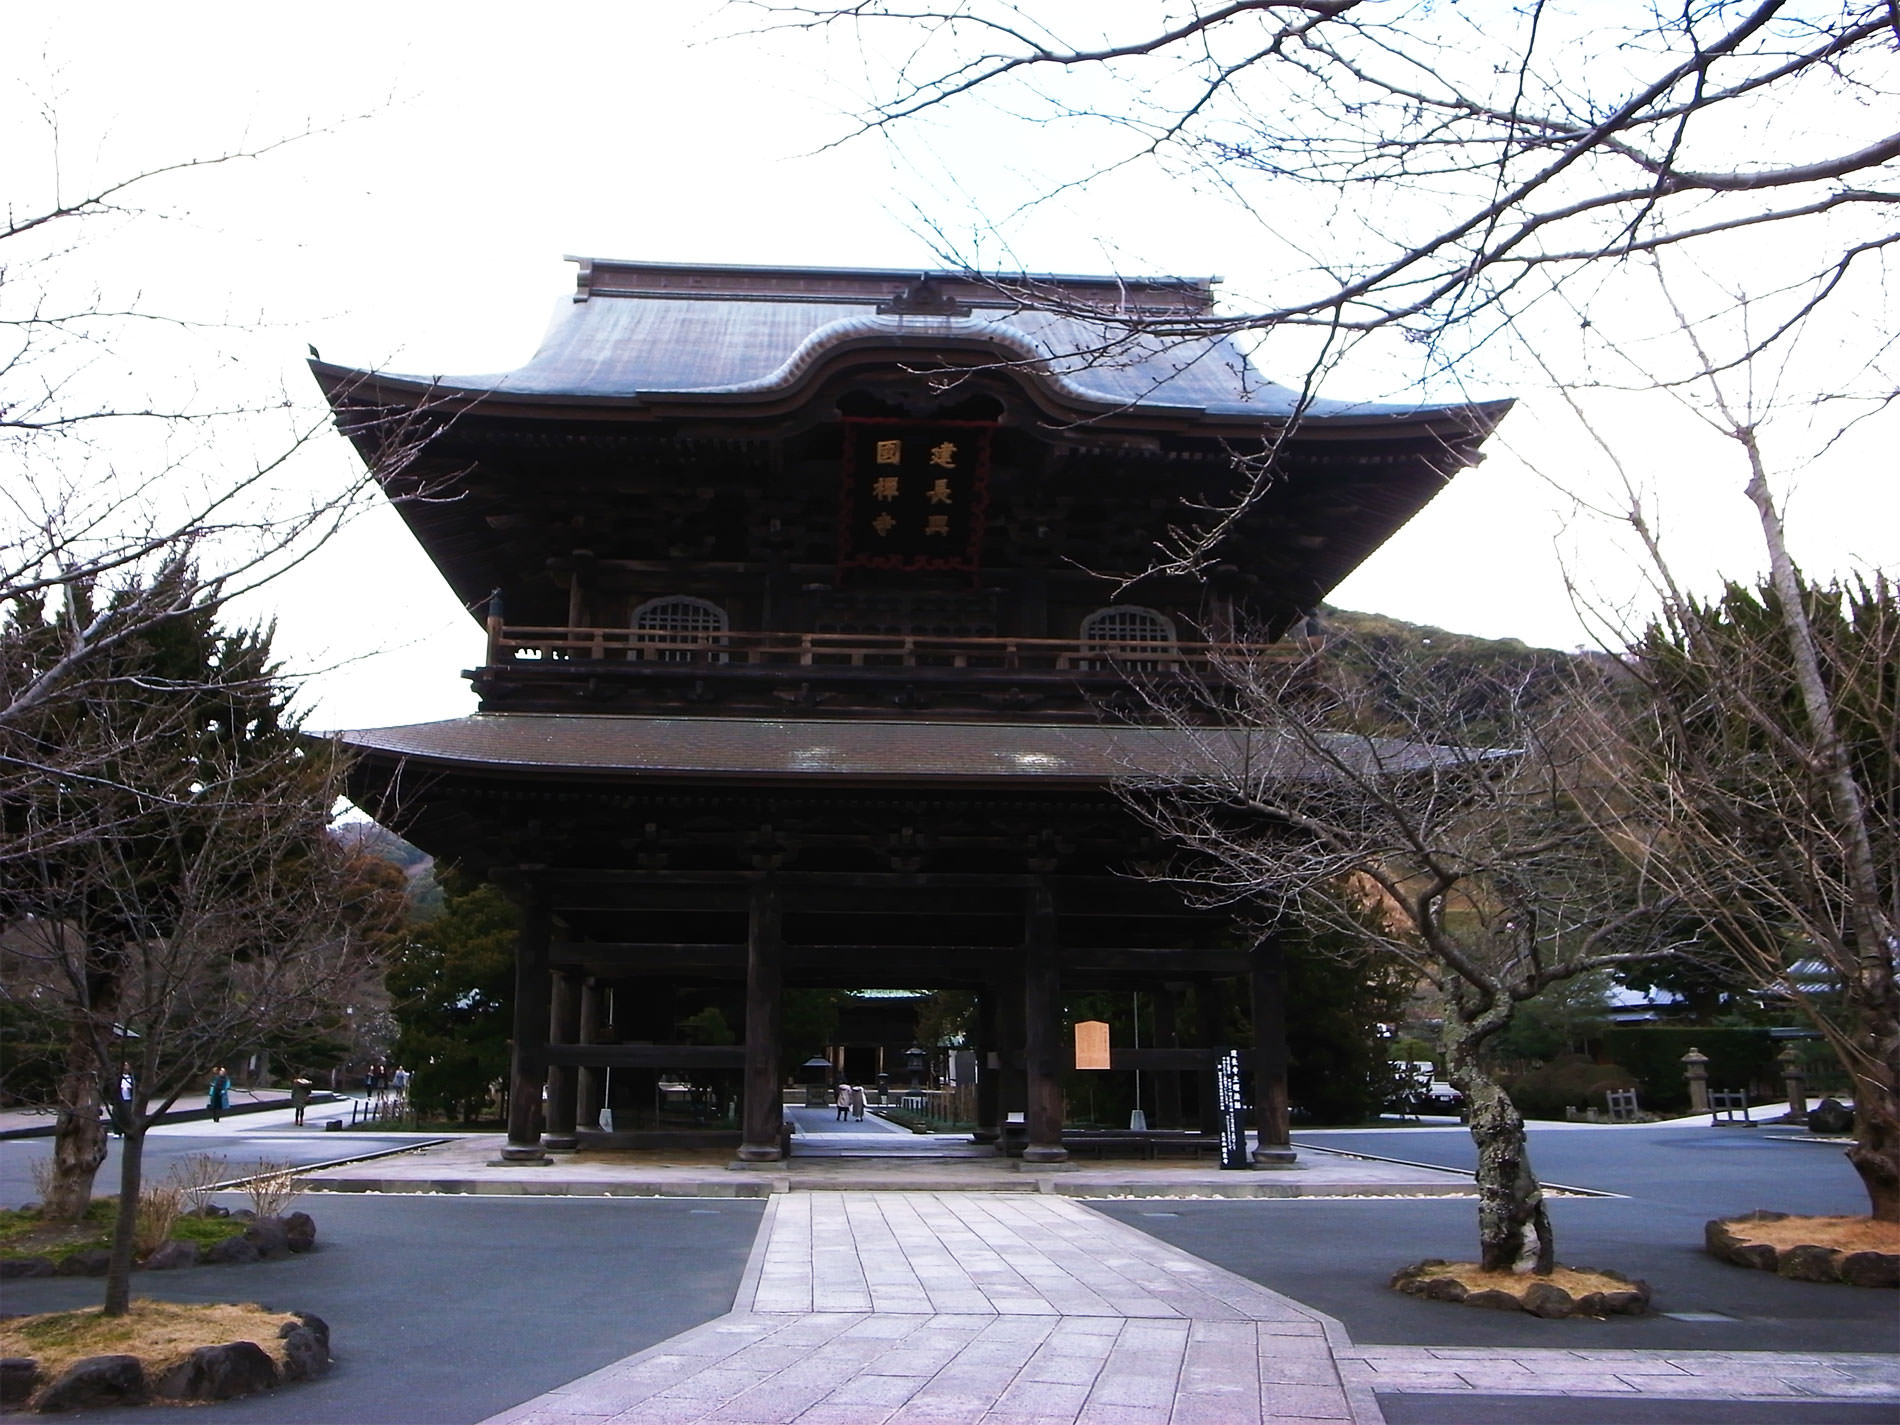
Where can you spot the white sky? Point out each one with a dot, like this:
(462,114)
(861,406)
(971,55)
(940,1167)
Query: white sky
(427,237)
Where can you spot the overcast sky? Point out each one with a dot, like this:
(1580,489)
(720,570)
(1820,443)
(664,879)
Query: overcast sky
(468,148)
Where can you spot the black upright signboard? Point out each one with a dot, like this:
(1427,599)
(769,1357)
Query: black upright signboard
(1233,1138)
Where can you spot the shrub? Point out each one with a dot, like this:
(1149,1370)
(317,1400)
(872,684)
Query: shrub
(160,1206)
(1569,1081)
(273,1187)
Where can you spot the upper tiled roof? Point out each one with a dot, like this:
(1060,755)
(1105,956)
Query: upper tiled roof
(657,330)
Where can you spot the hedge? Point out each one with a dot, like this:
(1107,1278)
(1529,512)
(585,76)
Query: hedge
(1739,1058)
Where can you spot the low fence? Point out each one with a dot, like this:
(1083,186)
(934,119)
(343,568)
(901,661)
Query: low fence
(383,1111)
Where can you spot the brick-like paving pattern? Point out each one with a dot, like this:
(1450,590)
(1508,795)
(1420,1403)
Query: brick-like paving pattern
(969,1308)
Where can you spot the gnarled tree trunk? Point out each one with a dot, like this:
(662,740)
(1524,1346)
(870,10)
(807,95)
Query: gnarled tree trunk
(79,1136)
(1514,1233)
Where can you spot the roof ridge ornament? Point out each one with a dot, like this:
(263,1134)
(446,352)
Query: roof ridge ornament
(926,297)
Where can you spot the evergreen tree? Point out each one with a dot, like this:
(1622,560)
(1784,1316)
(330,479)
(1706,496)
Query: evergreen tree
(170,886)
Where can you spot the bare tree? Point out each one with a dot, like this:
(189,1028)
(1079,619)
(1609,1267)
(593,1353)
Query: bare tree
(1435,810)
(122,446)
(1479,179)
(189,900)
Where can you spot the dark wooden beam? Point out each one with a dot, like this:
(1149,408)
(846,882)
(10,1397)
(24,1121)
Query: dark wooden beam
(1042,1007)
(649,1056)
(528,1072)
(761,1112)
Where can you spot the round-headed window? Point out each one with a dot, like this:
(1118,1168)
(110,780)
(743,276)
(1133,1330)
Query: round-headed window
(679,629)
(1127,631)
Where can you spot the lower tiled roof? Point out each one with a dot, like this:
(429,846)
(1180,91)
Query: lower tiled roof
(748,748)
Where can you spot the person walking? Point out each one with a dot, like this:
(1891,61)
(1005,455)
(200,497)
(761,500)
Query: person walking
(218,1097)
(843,1101)
(300,1096)
(857,1102)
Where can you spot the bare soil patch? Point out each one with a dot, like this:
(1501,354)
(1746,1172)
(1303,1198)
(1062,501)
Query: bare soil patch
(1566,1291)
(1844,1234)
(1857,1251)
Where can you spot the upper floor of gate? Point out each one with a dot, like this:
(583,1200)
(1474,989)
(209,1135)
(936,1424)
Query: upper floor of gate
(831,492)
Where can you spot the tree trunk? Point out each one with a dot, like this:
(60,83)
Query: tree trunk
(79,1137)
(125,1225)
(1514,1232)
(1876,1151)
(1869,985)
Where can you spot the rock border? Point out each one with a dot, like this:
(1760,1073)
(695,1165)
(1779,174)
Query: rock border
(1540,1296)
(1805,1262)
(226,1372)
(262,1239)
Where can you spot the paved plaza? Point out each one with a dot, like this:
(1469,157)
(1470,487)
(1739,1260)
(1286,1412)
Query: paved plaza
(861,1284)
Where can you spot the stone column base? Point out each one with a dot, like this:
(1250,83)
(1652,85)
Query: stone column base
(1275,1158)
(517,1155)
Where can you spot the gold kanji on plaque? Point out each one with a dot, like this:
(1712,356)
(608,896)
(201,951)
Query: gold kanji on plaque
(884,488)
(936,524)
(938,493)
(884,523)
(890,452)
(944,455)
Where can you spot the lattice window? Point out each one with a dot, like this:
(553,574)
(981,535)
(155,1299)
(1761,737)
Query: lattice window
(679,629)
(1128,631)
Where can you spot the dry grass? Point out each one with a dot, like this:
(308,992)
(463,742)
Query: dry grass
(1572,1279)
(159,1333)
(158,1211)
(1846,1234)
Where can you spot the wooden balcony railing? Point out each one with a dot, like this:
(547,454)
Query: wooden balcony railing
(516,645)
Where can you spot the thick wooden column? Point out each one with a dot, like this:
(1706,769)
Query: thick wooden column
(590,1086)
(1167,1036)
(762,1112)
(528,1074)
(1207,1017)
(564,1027)
(989,1071)
(1042,1032)
(1275,1149)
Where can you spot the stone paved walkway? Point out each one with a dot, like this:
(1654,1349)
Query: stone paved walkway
(967,1308)
(939,1308)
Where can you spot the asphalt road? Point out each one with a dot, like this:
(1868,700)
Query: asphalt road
(242,1148)
(1337,1254)
(445,1310)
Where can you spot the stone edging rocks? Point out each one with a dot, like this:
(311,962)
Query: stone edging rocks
(263,1238)
(1540,1296)
(1805,1263)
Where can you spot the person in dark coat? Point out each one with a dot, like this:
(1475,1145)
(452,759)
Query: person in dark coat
(219,1097)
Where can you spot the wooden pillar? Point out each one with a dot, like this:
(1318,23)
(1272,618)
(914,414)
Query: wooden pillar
(1269,1053)
(1042,1032)
(589,1084)
(1207,1021)
(528,1073)
(989,1070)
(762,1113)
(564,1027)
(1167,1036)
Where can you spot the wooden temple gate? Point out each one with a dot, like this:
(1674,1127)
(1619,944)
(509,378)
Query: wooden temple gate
(797,675)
